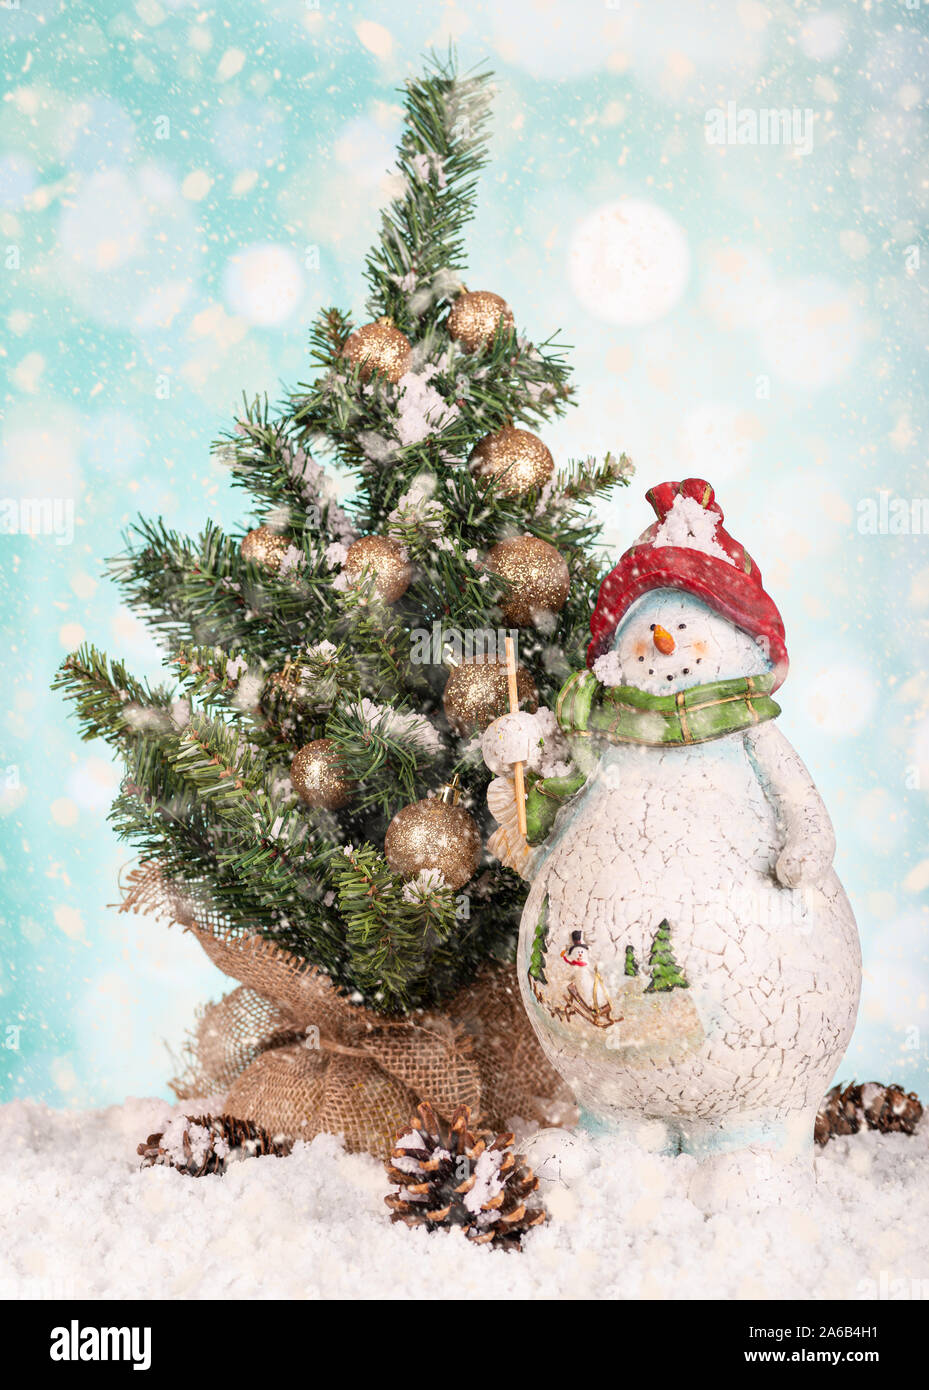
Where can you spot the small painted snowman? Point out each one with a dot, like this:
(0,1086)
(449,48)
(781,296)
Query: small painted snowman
(684,859)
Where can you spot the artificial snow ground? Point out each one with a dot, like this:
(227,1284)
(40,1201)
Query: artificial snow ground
(79,1219)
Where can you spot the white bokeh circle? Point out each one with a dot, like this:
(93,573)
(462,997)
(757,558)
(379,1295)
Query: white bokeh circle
(104,226)
(18,178)
(812,332)
(93,784)
(629,262)
(920,752)
(127,246)
(896,978)
(40,451)
(822,35)
(879,820)
(263,283)
(736,285)
(841,699)
(715,441)
(366,150)
(551,41)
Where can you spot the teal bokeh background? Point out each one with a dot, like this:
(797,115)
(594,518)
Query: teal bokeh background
(181,187)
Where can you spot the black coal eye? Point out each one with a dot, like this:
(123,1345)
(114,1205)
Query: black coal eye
(681,626)
(650,671)
(652,628)
(641,658)
(699,659)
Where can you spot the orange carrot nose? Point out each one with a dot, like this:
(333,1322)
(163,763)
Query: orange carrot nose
(663,641)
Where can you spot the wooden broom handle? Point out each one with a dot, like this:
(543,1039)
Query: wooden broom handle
(518,779)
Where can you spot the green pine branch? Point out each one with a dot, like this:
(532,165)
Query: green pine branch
(390,928)
(110,703)
(414,269)
(268,462)
(390,752)
(508,381)
(210,675)
(204,592)
(587,478)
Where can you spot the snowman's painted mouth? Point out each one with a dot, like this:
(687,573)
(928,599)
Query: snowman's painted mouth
(681,673)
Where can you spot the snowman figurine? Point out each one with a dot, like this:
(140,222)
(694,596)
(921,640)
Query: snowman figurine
(687,955)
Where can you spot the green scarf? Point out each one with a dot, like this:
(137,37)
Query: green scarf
(622,714)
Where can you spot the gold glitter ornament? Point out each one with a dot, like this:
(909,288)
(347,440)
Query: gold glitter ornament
(379,347)
(285,695)
(385,560)
(265,547)
(515,460)
(287,683)
(319,777)
(474,317)
(477,692)
(435,834)
(537,575)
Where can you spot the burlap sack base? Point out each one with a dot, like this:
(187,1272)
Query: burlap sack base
(292,1054)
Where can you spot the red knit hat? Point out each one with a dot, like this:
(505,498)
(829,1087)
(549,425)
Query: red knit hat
(690,554)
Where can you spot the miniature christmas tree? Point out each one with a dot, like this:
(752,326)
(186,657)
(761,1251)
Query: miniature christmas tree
(539,943)
(631,966)
(301,718)
(663,968)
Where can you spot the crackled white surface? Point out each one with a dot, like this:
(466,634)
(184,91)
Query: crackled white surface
(533,739)
(809,840)
(706,647)
(730,842)
(689,834)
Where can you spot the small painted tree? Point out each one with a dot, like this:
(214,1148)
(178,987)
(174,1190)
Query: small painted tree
(632,967)
(663,968)
(539,943)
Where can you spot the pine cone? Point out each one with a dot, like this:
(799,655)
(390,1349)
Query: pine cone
(888,1109)
(202,1144)
(448,1175)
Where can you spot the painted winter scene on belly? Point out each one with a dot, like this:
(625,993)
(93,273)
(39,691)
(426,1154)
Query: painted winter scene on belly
(646,1016)
(687,954)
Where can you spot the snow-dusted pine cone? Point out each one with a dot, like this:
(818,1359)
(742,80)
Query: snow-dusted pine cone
(448,1175)
(202,1144)
(889,1109)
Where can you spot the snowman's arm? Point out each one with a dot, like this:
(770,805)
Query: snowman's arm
(809,840)
(545,797)
(522,737)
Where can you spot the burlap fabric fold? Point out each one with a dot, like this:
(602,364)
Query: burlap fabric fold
(290,1053)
